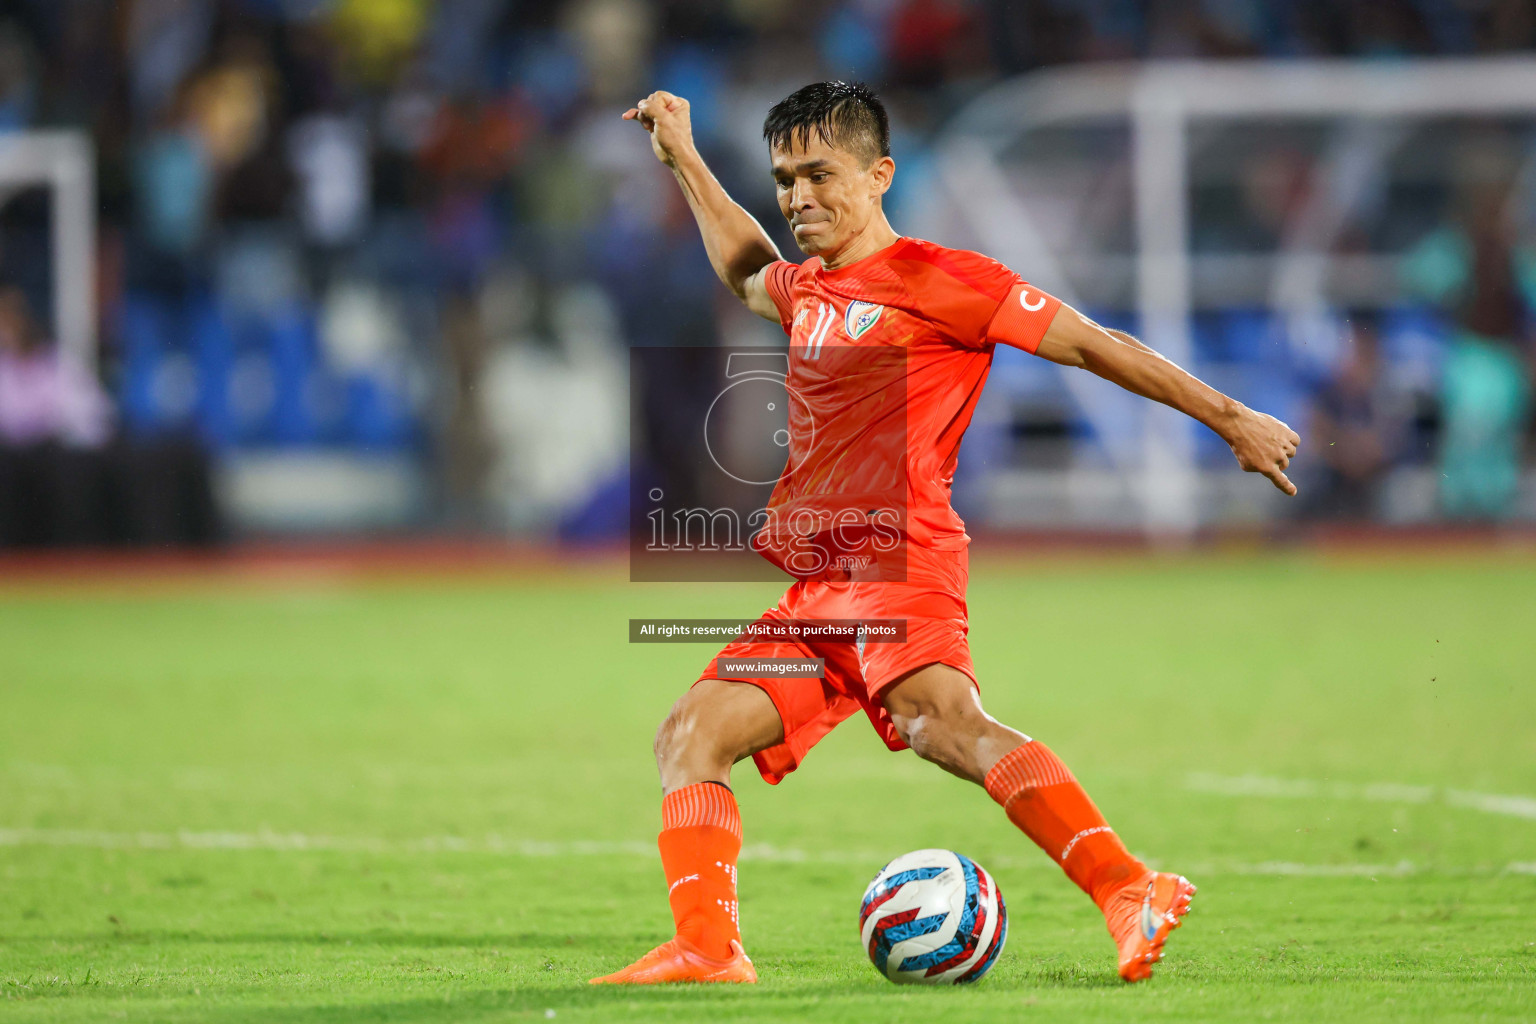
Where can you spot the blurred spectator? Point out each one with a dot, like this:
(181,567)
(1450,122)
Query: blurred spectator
(614,37)
(18,85)
(1357,427)
(1469,267)
(932,41)
(377,35)
(174,183)
(45,397)
(62,479)
(1486,399)
(165,41)
(51,412)
(229,104)
(330,160)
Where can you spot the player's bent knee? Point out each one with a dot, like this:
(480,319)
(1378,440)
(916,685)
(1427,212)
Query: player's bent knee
(711,727)
(912,730)
(685,734)
(921,719)
(937,713)
(932,736)
(929,730)
(661,746)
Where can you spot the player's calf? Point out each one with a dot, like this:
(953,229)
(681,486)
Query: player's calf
(712,726)
(937,712)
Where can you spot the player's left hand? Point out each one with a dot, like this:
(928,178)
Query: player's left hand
(1263,444)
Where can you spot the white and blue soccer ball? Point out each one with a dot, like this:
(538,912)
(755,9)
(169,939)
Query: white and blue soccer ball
(933,917)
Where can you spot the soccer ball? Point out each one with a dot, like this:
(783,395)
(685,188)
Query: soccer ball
(933,917)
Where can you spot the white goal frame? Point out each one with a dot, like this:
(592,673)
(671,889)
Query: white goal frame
(64,162)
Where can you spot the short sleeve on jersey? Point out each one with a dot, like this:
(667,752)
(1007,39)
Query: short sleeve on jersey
(779,278)
(1023,318)
(960,292)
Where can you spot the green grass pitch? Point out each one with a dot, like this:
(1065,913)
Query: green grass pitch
(432,799)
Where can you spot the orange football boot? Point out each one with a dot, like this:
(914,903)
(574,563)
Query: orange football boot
(677,960)
(1141,915)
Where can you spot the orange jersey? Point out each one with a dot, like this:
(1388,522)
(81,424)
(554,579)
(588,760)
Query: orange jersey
(888,356)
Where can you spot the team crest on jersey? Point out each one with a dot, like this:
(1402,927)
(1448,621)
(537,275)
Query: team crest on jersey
(860,317)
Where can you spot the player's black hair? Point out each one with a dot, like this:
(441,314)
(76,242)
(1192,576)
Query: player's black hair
(847,115)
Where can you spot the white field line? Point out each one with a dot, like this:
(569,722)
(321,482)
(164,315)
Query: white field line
(1381,792)
(1200,782)
(288,842)
(185,839)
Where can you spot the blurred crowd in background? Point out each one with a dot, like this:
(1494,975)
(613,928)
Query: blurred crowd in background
(412,241)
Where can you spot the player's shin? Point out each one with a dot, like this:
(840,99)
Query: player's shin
(700,841)
(1040,796)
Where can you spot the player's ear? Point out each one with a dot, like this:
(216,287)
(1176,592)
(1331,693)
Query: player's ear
(882,171)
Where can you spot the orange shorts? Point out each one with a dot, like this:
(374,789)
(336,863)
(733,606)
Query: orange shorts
(810,707)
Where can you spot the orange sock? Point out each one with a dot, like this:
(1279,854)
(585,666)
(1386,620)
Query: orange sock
(1042,798)
(700,840)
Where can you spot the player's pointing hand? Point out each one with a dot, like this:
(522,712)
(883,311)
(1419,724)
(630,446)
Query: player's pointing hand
(665,116)
(1264,445)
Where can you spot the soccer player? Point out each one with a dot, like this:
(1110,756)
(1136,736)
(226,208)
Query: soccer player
(868,289)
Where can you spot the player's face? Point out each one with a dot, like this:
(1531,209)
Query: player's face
(827,194)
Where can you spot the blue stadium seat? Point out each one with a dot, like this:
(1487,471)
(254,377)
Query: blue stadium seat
(291,339)
(141,334)
(213,353)
(1413,343)
(1208,338)
(377,416)
(1252,336)
(691,70)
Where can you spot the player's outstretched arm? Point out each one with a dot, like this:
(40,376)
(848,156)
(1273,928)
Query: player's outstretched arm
(1261,443)
(739,249)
